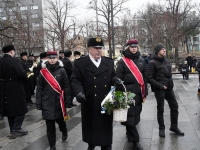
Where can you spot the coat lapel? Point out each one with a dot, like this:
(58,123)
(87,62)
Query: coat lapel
(89,66)
(102,67)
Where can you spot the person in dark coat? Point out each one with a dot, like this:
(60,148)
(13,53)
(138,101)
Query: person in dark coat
(160,77)
(28,85)
(189,60)
(68,68)
(132,85)
(48,100)
(61,55)
(12,94)
(185,70)
(43,57)
(194,62)
(91,79)
(198,70)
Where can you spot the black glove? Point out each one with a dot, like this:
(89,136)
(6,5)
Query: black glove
(80,97)
(117,81)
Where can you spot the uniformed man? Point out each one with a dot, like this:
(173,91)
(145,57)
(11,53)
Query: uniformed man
(43,56)
(27,84)
(68,68)
(61,55)
(91,79)
(31,64)
(77,55)
(12,94)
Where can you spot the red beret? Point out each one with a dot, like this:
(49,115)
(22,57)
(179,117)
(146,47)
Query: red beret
(52,54)
(132,42)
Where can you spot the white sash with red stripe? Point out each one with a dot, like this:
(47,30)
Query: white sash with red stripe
(55,85)
(136,73)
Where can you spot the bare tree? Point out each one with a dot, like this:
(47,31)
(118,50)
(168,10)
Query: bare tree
(166,24)
(58,20)
(103,10)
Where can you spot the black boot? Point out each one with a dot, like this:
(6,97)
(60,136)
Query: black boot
(137,146)
(64,135)
(177,131)
(162,133)
(53,148)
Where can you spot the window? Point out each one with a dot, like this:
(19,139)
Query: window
(1,9)
(23,8)
(12,17)
(24,16)
(3,18)
(35,24)
(34,7)
(34,15)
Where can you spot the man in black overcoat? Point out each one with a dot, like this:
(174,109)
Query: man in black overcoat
(27,84)
(12,94)
(160,77)
(92,78)
(68,68)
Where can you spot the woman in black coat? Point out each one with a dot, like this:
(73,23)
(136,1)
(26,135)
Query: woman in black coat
(48,100)
(132,85)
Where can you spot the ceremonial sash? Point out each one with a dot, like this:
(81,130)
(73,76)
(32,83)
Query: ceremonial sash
(55,85)
(136,73)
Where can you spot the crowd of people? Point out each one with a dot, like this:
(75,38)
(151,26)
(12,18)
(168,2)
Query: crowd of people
(56,80)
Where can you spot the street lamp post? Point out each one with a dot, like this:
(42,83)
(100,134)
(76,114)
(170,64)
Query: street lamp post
(112,19)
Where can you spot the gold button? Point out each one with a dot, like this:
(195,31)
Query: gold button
(95,86)
(5,97)
(104,77)
(94,77)
(105,85)
(95,94)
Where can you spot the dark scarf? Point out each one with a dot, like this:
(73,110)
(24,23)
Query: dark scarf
(130,55)
(52,67)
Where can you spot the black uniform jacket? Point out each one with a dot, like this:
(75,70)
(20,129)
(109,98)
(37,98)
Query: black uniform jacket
(12,94)
(95,83)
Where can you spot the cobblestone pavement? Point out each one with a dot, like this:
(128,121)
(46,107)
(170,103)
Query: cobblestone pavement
(189,122)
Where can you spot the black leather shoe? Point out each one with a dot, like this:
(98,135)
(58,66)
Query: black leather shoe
(52,148)
(177,131)
(64,136)
(162,133)
(19,132)
(137,146)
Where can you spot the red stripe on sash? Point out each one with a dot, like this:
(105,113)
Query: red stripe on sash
(136,73)
(55,85)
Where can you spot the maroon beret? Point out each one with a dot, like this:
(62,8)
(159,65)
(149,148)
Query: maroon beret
(52,54)
(132,42)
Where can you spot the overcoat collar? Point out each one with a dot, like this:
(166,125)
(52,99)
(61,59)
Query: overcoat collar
(92,68)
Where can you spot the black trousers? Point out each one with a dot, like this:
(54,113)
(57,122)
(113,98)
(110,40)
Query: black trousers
(15,123)
(169,95)
(107,147)
(132,134)
(185,74)
(51,130)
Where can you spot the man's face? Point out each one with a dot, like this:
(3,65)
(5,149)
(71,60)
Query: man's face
(25,57)
(31,58)
(61,54)
(162,53)
(52,60)
(95,52)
